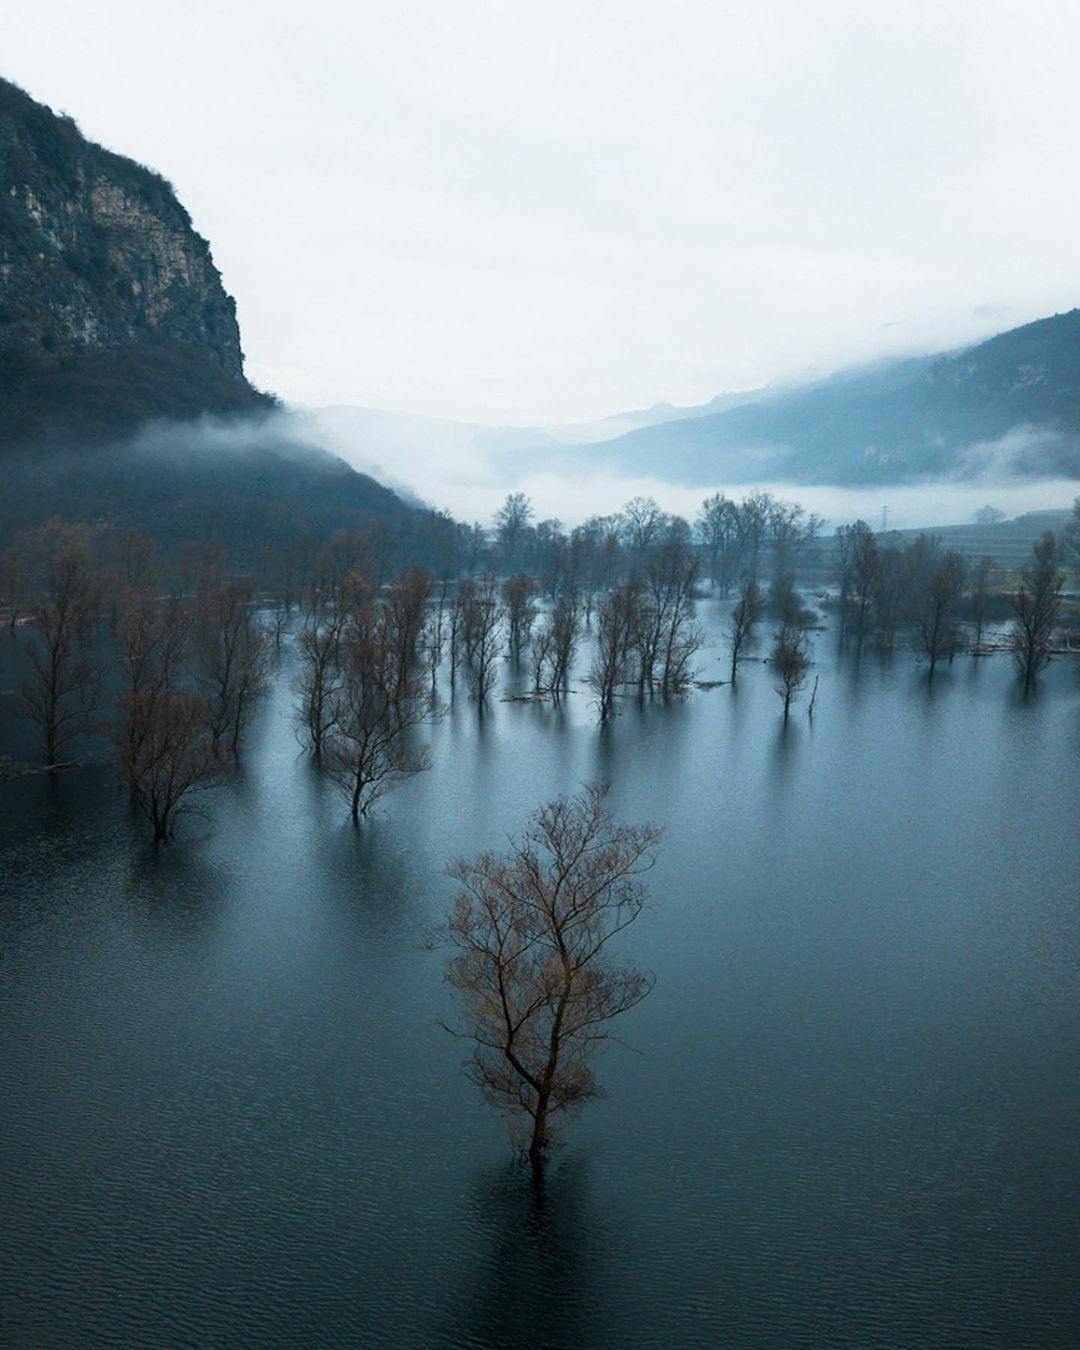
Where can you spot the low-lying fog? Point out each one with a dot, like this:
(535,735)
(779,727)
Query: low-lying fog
(470,481)
(572,498)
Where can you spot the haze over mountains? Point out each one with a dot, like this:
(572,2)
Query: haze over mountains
(409,450)
(123,395)
(1008,406)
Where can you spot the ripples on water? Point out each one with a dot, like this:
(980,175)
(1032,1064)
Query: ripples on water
(848,1117)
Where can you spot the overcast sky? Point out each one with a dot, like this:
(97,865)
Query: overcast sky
(552,211)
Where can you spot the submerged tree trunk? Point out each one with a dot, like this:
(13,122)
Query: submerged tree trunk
(539,1142)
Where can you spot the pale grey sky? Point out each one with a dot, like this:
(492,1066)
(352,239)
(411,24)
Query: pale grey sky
(501,210)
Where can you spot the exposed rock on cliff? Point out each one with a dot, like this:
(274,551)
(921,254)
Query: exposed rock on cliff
(121,374)
(111,308)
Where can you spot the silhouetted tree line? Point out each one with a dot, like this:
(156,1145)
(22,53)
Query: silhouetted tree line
(118,648)
(168,654)
(941,603)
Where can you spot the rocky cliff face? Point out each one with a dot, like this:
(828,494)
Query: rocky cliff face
(113,316)
(103,279)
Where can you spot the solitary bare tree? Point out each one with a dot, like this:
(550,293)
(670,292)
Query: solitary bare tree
(565,629)
(169,756)
(541,653)
(668,611)
(537,987)
(791,661)
(744,618)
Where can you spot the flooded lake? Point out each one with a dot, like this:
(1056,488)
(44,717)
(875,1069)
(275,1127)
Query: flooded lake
(845,1117)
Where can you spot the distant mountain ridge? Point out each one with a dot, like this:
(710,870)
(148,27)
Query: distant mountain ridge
(1011,402)
(1008,406)
(387,431)
(409,450)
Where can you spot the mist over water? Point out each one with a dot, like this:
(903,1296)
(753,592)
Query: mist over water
(572,498)
(471,484)
(468,470)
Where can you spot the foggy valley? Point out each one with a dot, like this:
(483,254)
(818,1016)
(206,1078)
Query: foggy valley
(539,677)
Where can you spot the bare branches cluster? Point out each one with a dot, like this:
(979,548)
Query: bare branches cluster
(1036,605)
(887,588)
(538,985)
(737,536)
(362,686)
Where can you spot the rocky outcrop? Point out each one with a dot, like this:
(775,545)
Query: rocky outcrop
(103,281)
(121,374)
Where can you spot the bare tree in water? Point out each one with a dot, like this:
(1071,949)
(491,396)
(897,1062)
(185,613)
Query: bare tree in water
(231,652)
(63,690)
(152,639)
(369,747)
(537,987)
(162,742)
(615,623)
(318,682)
(718,529)
(864,577)
(475,635)
(1035,607)
(671,639)
(541,649)
(171,755)
(744,619)
(937,629)
(554,647)
(519,602)
(434,635)
(791,661)
(404,617)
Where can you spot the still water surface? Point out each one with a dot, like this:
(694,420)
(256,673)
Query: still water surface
(847,1116)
